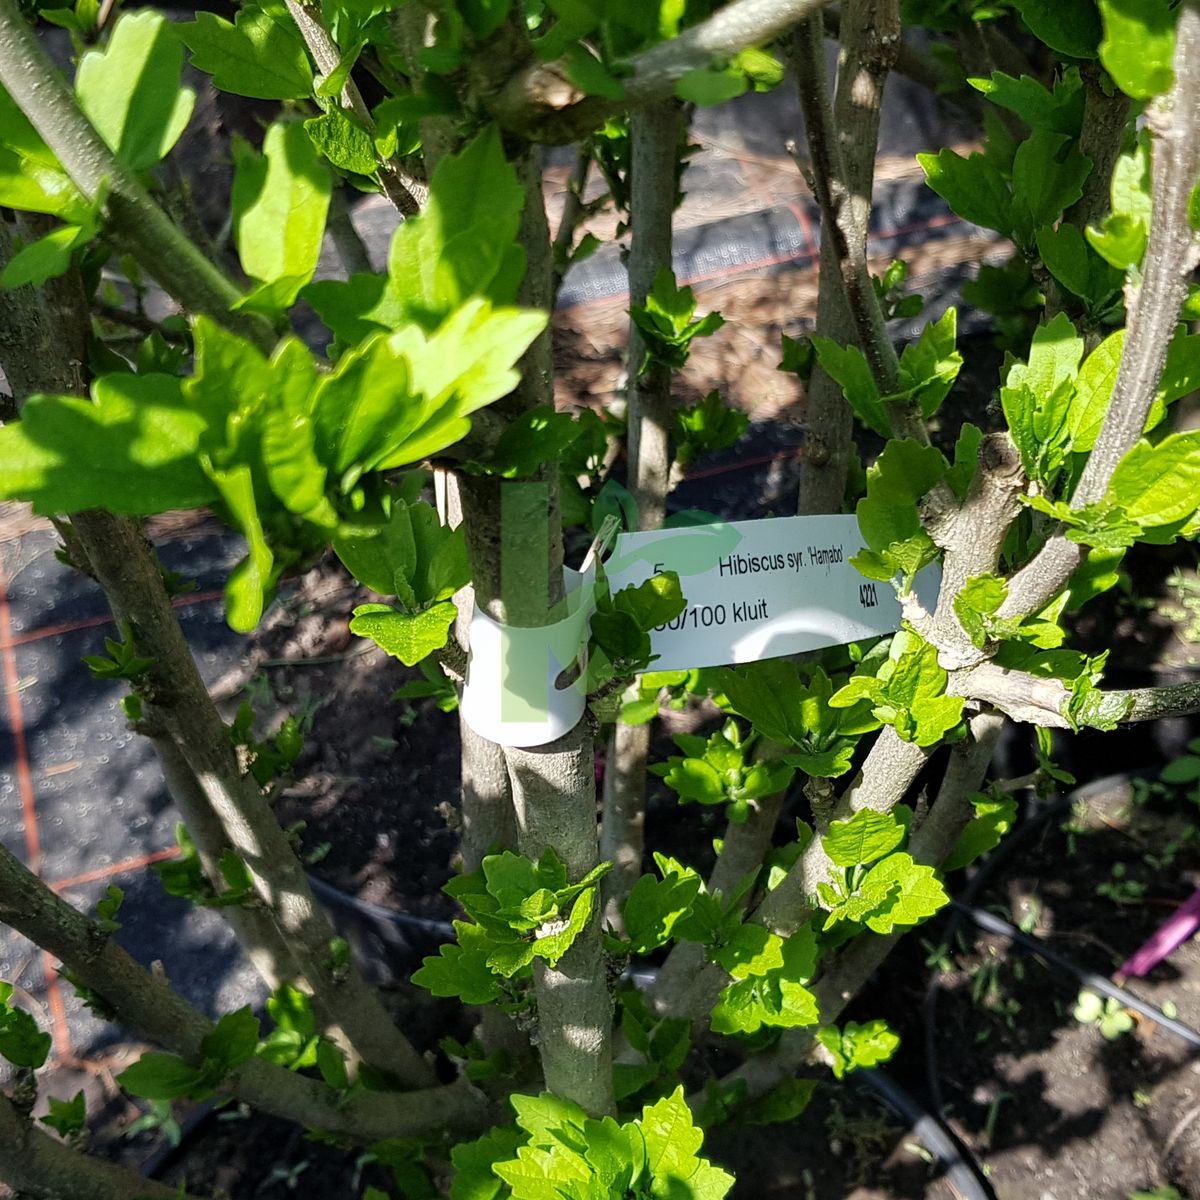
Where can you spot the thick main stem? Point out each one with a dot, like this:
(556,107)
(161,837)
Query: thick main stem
(514,538)
(654,138)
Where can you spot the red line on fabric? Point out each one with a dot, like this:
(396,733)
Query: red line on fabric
(16,722)
(7,641)
(59,1029)
(121,868)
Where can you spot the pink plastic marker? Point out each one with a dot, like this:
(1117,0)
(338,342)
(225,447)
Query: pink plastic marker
(1165,940)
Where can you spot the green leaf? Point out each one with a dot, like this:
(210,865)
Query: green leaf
(66,1117)
(473,1177)
(412,556)
(530,440)
(752,950)
(589,74)
(131,449)
(21,1042)
(1071,27)
(973,187)
(461,970)
(654,907)
(47,258)
(966,458)
(783,1103)
(557,937)
(672,1141)
(668,322)
(778,999)
(1060,111)
(1093,390)
(652,603)
(355,308)
(280,200)
(1159,484)
(848,367)
(261,56)
(232,1042)
(290,1008)
(331,1063)
(410,637)
(856,1045)
(130,90)
(1048,177)
(31,178)
(929,367)
(1138,49)
(1121,239)
(161,1077)
(863,838)
(915,896)
(694,779)
(707,86)
(463,243)
(887,516)
(253,580)
(994,817)
(343,142)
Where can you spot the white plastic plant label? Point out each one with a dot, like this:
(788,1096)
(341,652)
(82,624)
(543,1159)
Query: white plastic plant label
(525,686)
(760,589)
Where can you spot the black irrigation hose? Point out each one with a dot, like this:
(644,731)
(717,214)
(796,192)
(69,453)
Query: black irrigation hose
(981,874)
(1098,983)
(966,909)
(963,1173)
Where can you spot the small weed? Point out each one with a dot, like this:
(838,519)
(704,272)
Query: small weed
(1120,889)
(1109,1015)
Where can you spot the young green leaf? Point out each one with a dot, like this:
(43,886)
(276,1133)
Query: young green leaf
(162,1077)
(344,142)
(21,1042)
(1138,49)
(130,90)
(863,838)
(463,243)
(994,817)
(1071,27)
(280,199)
(847,366)
(31,178)
(929,366)
(66,1117)
(654,907)
(1058,111)
(410,637)
(1159,484)
(261,55)
(854,1045)
(461,970)
(1048,177)
(47,258)
(131,449)
(973,187)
